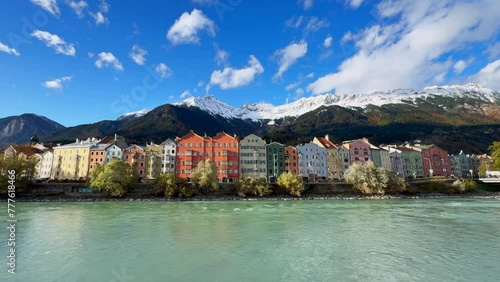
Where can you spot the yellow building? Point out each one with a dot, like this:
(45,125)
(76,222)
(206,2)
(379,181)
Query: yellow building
(153,160)
(71,161)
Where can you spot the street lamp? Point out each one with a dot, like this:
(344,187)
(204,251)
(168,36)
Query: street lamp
(430,166)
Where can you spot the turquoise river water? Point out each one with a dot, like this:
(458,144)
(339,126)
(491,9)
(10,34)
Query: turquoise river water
(360,240)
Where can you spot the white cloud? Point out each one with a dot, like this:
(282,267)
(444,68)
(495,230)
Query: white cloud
(136,29)
(186,94)
(163,70)
(77,6)
(299,81)
(294,22)
(488,76)
(104,7)
(106,59)
(354,3)
(8,50)
(306,4)
(99,18)
(289,56)
(91,55)
(186,28)
(233,78)
(314,24)
(460,66)
(494,50)
(200,83)
(221,56)
(293,85)
(327,43)
(138,55)
(54,41)
(48,5)
(56,83)
(408,52)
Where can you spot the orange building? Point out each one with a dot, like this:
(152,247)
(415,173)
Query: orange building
(136,156)
(291,158)
(222,149)
(97,156)
(226,154)
(191,149)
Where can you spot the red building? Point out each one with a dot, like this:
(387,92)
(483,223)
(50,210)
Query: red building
(136,156)
(291,158)
(223,150)
(435,160)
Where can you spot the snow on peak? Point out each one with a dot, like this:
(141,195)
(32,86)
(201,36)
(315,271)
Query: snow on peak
(134,114)
(259,111)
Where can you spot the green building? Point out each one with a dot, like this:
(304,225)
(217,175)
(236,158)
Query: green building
(275,160)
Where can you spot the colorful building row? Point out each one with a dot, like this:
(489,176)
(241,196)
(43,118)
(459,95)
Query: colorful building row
(234,158)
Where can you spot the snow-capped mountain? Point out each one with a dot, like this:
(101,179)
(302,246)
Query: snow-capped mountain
(134,114)
(260,111)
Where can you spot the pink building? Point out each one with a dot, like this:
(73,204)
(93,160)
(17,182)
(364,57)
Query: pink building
(359,150)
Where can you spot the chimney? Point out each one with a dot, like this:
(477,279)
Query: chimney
(115,137)
(327,137)
(77,140)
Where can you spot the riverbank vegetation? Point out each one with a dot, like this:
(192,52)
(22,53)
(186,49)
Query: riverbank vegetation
(24,169)
(367,178)
(114,178)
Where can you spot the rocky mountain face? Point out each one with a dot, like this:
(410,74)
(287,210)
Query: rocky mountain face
(453,117)
(19,129)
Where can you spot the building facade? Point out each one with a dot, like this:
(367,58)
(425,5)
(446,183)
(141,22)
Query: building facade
(435,160)
(332,156)
(381,158)
(312,161)
(359,150)
(168,149)
(253,157)
(135,156)
(226,151)
(72,161)
(153,160)
(291,160)
(275,160)
(45,167)
(191,150)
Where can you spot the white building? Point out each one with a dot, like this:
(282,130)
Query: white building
(168,151)
(312,161)
(45,165)
(113,152)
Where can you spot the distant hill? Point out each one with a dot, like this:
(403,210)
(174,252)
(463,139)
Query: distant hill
(19,129)
(453,117)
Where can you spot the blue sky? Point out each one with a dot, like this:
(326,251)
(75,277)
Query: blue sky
(82,61)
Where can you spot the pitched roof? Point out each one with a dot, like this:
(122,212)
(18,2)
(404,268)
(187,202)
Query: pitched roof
(325,143)
(25,149)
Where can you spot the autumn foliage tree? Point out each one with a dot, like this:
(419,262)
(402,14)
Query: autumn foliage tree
(115,177)
(292,183)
